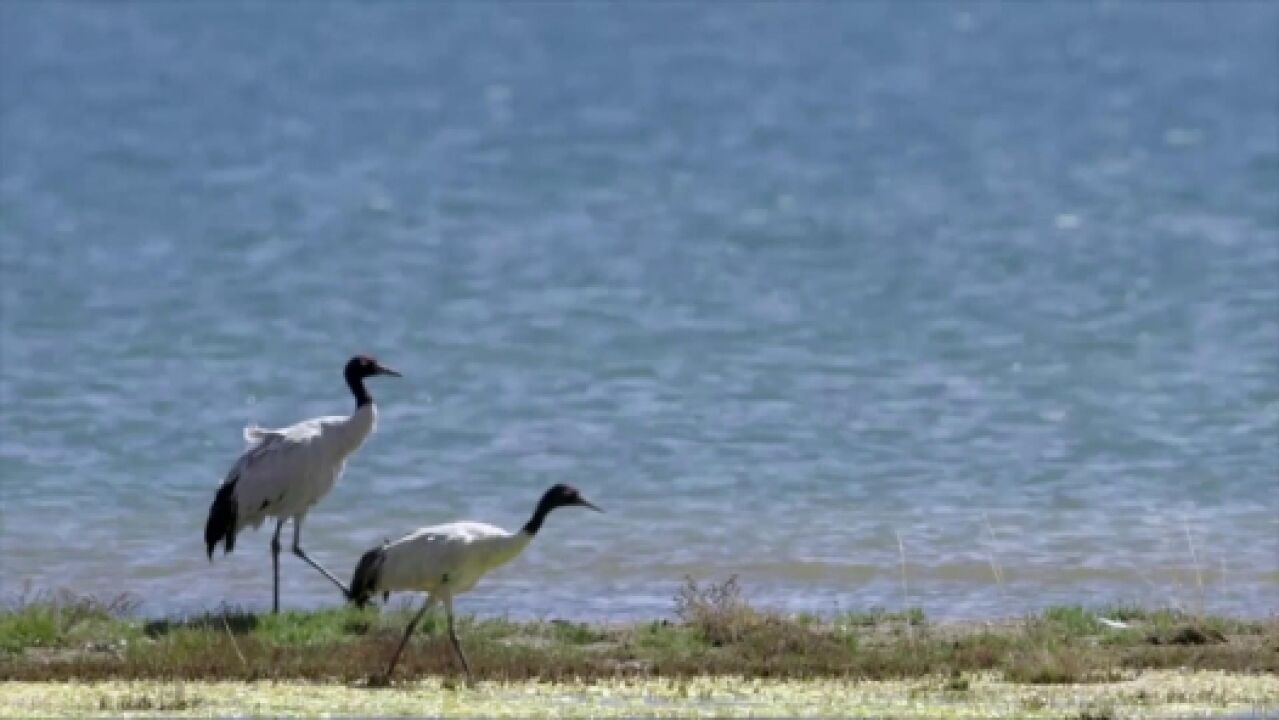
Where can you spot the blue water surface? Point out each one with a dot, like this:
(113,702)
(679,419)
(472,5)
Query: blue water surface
(794,291)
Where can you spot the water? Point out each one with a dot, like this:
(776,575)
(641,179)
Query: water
(774,284)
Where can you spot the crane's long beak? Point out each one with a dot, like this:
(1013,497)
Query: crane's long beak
(589,504)
(384,370)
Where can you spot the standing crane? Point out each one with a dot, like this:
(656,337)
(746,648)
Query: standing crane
(284,472)
(445,560)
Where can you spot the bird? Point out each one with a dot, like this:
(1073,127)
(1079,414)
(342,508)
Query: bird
(446,560)
(284,472)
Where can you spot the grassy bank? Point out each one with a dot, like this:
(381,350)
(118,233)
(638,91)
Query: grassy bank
(84,655)
(715,633)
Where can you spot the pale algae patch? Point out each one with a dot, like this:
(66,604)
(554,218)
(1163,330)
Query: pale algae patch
(1151,694)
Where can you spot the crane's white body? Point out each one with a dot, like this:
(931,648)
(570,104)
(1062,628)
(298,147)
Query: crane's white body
(450,557)
(444,560)
(286,471)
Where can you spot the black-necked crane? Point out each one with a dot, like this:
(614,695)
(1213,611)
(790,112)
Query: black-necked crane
(284,472)
(445,560)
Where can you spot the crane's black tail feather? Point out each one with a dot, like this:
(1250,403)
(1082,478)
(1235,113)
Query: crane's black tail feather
(364,584)
(222,519)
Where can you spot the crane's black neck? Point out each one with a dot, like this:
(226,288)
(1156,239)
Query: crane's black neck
(544,507)
(356,383)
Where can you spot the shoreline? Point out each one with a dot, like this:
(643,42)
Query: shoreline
(63,654)
(1151,694)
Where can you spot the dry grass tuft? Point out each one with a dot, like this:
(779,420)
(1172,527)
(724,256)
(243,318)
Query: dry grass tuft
(716,611)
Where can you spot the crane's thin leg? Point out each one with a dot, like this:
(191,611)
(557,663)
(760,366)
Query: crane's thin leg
(275,567)
(457,646)
(297,550)
(408,632)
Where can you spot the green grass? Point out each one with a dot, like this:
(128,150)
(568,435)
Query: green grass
(571,633)
(31,628)
(59,620)
(1156,627)
(1070,620)
(716,632)
(880,616)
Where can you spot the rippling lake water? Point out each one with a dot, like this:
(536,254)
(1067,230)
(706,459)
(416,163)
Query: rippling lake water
(775,284)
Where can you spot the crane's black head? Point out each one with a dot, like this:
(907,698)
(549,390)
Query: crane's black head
(363,366)
(562,495)
(360,367)
(557,496)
